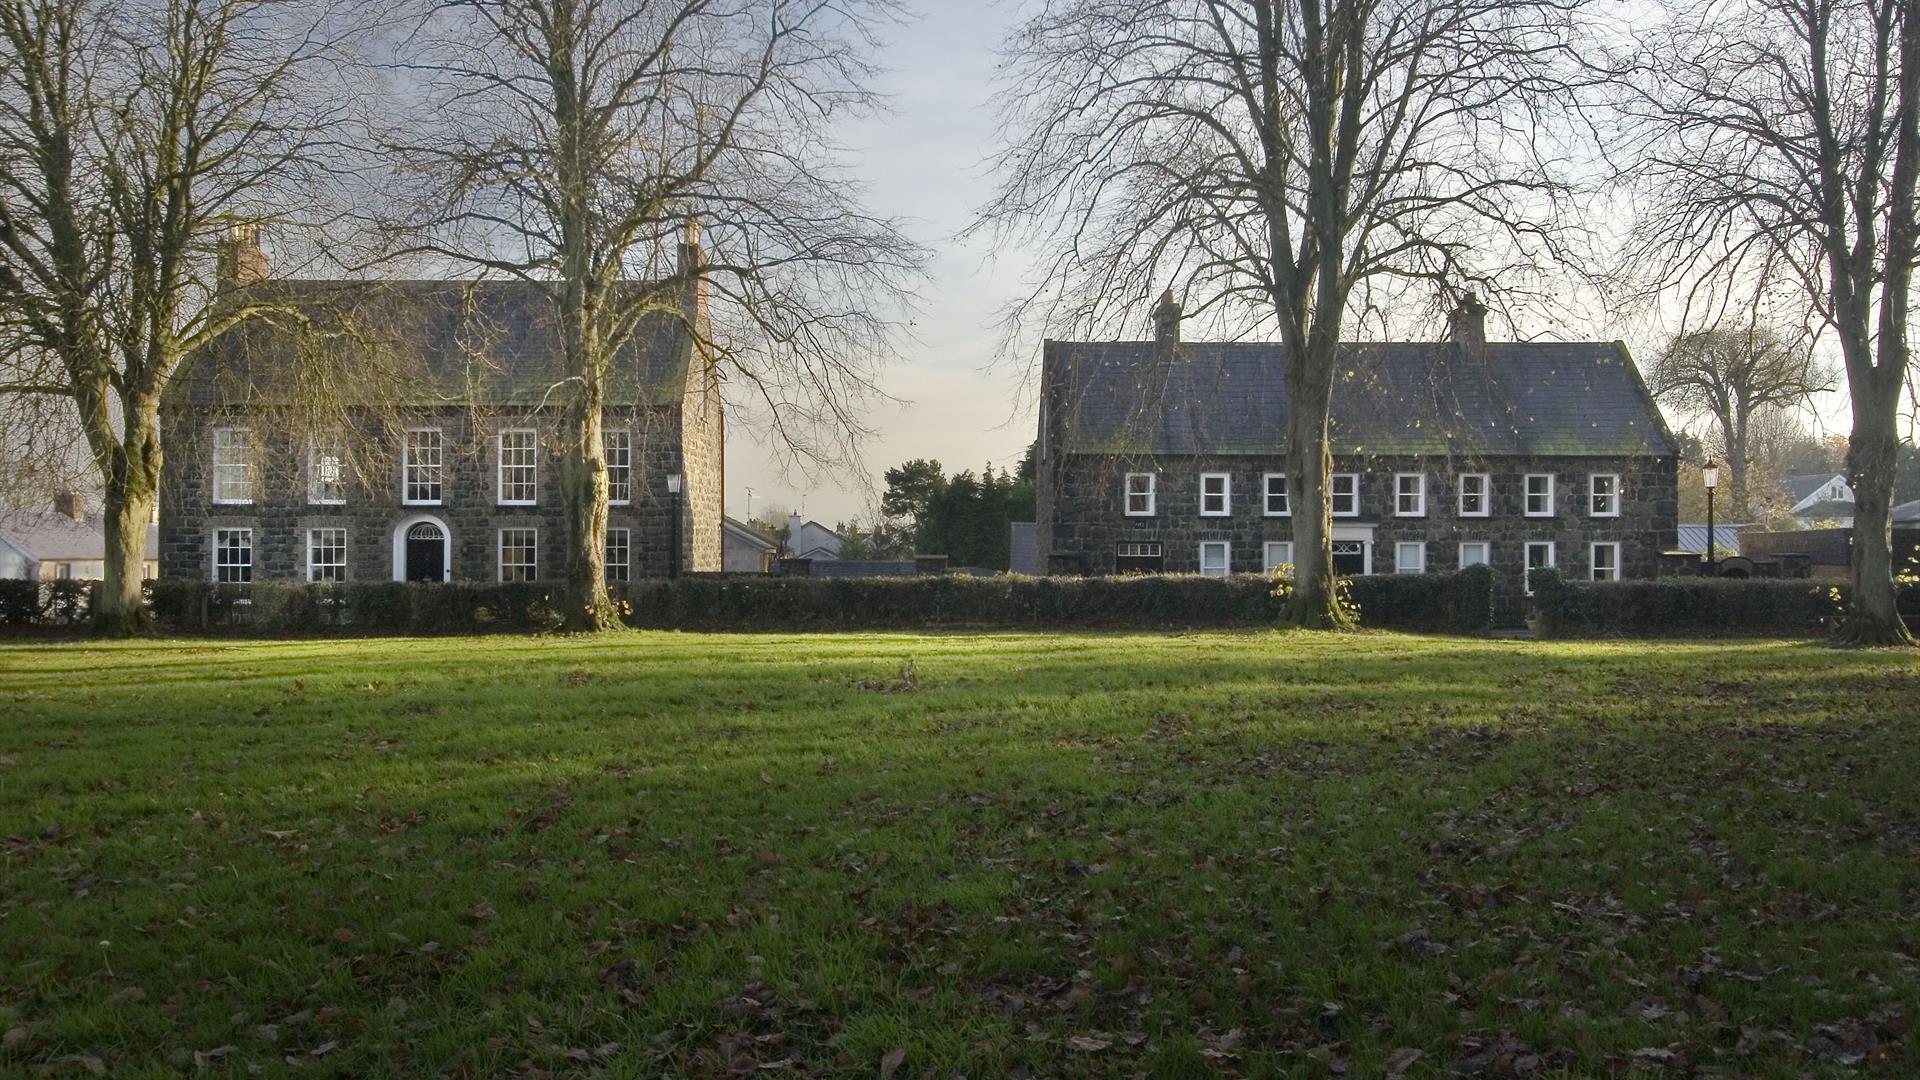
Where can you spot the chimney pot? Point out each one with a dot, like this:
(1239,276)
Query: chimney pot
(241,260)
(1467,326)
(1166,319)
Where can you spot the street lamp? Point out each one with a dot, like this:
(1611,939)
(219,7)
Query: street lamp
(1710,476)
(673,489)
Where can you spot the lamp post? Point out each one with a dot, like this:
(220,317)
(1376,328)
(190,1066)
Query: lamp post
(673,489)
(1710,476)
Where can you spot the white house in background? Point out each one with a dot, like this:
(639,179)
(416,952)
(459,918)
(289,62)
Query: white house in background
(811,540)
(1820,497)
(746,550)
(65,542)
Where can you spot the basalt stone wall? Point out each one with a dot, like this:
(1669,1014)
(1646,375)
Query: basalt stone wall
(1082,513)
(373,512)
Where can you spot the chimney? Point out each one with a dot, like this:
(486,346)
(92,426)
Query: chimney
(241,260)
(1166,319)
(68,502)
(691,270)
(1467,326)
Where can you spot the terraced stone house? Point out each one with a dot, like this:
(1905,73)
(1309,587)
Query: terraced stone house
(1169,456)
(459,479)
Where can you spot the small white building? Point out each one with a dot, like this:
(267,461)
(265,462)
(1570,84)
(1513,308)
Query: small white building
(65,542)
(1820,498)
(811,540)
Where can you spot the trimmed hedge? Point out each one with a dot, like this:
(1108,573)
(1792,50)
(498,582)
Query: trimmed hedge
(372,606)
(1459,603)
(1805,607)
(61,602)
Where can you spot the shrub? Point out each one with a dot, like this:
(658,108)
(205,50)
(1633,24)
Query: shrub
(1684,605)
(20,603)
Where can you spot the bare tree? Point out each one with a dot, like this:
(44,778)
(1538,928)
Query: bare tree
(1780,139)
(1733,376)
(134,134)
(580,138)
(1279,160)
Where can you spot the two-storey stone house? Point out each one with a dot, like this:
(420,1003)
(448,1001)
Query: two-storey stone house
(1170,456)
(457,479)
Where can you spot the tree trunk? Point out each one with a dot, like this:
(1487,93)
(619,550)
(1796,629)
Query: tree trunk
(583,474)
(1737,438)
(1315,603)
(132,483)
(1872,617)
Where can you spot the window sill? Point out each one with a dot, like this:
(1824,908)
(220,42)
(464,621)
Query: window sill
(518,505)
(414,502)
(233,502)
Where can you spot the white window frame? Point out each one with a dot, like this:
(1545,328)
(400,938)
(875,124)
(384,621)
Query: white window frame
(227,443)
(1333,494)
(434,470)
(1593,561)
(1526,495)
(1400,564)
(319,450)
(526,473)
(533,553)
(1594,496)
(1225,494)
(314,548)
(220,549)
(1419,494)
(1486,553)
(1150,493)
(1485,494)
(1275,554)
(1526,562)
(1226,558)
(1285,496)
(625,547)
(619,463)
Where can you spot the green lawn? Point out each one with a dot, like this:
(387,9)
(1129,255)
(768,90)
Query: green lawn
(1252,854)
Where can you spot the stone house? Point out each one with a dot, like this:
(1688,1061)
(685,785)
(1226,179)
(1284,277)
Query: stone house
(1169,456)
(456,476)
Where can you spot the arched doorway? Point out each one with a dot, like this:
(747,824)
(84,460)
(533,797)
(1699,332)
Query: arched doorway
(422,550)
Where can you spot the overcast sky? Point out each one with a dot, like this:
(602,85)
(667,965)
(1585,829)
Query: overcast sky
(924,164)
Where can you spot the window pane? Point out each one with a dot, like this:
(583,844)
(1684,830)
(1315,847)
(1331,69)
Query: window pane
(423,462)
(1410,559)
(1473,553)
(326,470)
(232,465)
(327,555)
(233,556)
(619,466)
(519,466)
(1278,553)
(617,554)
(1277,495)
(1213,559)
(517,555)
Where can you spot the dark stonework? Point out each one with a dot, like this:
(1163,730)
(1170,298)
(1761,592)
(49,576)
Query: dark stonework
(469,510)
(1082,510)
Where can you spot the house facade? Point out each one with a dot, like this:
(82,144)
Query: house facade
(460,480)
(1820,499)
(1169,456)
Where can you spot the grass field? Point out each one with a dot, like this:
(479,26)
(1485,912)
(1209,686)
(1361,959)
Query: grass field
(1229,854)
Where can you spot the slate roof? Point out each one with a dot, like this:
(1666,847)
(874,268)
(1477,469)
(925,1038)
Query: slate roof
(1520,398)
(489,342)
(1802,486)
(1907,513)
(44,535)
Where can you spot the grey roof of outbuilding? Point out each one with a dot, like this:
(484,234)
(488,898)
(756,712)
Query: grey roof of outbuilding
(1907,513)
(483,342)
(1519,398)
(1023,548)
(42,535)
(1806,484)
(1725,537)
